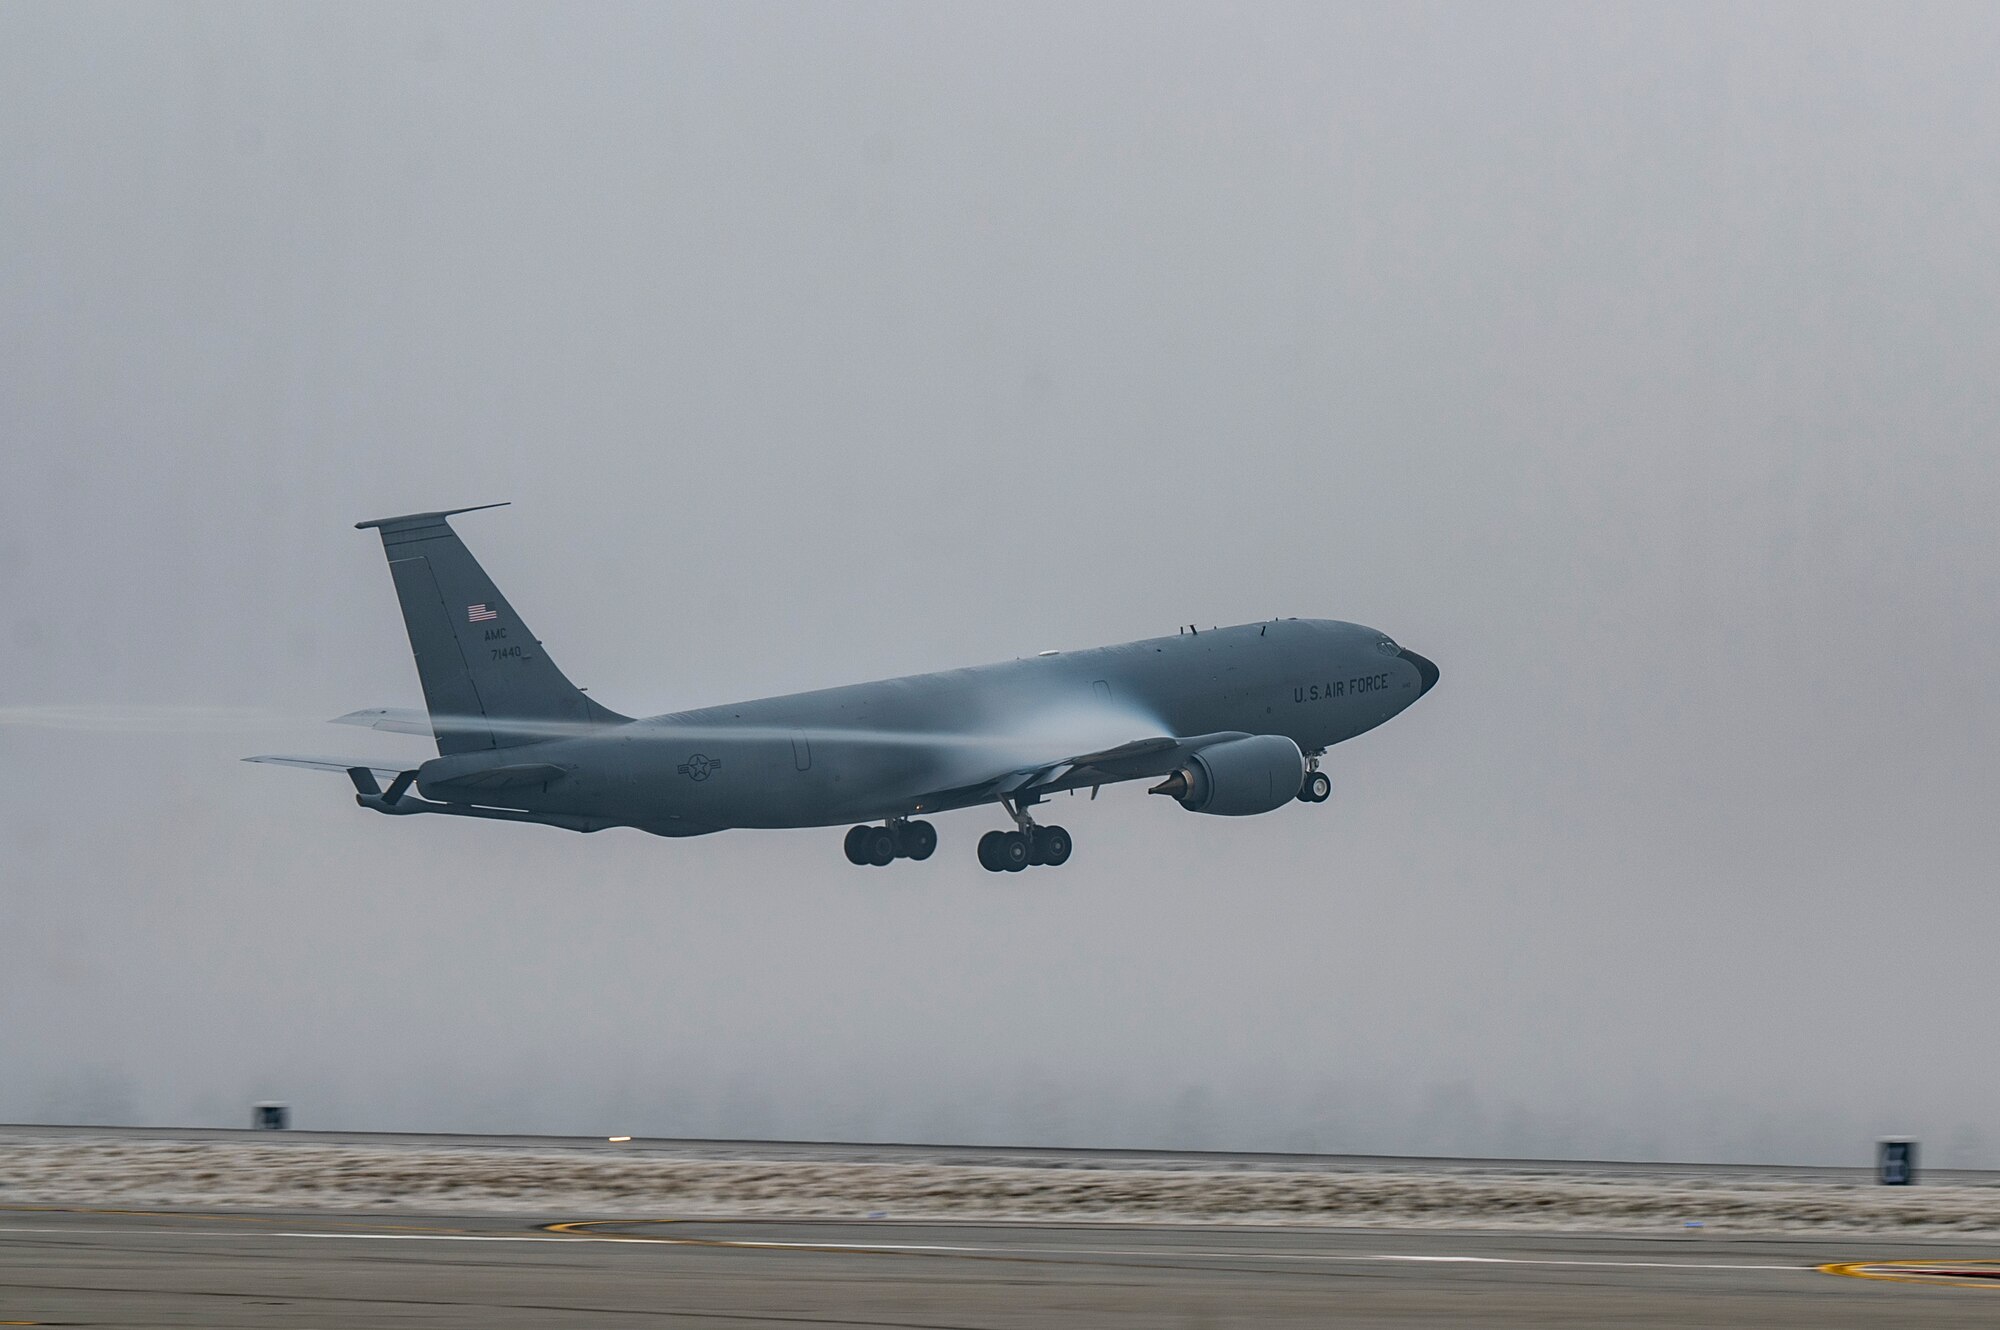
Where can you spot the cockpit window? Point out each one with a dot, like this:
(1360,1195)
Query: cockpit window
(1386,647)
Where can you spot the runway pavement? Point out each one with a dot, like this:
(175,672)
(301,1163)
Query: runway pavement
(226,1270)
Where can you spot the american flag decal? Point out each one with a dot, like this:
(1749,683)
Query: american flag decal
(479,614)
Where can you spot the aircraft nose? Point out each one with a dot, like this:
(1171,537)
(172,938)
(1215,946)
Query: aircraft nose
(1427,673)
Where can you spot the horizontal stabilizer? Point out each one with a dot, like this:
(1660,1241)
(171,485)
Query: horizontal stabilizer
(394,720)
(423,519)
(343,765)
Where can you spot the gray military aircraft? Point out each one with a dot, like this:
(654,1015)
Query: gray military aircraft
(1230,721)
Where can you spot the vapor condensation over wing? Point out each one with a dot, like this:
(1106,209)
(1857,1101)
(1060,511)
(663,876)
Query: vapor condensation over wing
(1080,730)
(1065,730)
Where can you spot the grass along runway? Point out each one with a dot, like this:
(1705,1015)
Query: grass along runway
(78,1168)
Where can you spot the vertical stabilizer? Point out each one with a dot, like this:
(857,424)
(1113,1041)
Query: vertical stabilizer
(486,679)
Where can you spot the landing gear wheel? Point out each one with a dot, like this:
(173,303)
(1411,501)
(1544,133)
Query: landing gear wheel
(879,845)
(1011,851)
(989,852)
(918,840)
(1052,846)
(1318,788)
(856,852)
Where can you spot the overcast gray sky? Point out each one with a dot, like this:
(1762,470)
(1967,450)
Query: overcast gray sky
(1635,363)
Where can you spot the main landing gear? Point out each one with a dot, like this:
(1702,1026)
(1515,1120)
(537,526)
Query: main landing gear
(894,840)
(1011,851)
(1317,787)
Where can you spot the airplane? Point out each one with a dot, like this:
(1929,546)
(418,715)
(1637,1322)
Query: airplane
(1229,721)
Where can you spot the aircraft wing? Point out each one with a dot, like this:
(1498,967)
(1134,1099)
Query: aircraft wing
(1157,756)
(341,764)
(1144,757)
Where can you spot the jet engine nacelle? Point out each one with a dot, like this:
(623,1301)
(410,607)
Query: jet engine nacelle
(1239,776)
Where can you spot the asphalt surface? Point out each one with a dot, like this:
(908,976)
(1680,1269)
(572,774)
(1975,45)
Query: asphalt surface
(109,1268)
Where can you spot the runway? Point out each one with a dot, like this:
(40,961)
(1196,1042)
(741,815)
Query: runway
(227,1270)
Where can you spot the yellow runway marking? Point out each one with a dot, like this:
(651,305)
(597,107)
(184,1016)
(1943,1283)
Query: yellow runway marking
(1941,1274)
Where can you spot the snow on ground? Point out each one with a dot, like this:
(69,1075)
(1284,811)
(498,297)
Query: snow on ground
(585,1181)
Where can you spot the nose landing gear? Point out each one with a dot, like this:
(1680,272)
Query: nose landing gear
(895,839)
(1317,787)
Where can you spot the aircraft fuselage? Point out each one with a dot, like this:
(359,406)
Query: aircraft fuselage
(914,745)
